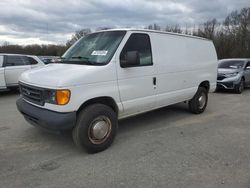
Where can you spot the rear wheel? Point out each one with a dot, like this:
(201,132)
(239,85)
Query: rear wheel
(198,103)
(240,87)
(96,128)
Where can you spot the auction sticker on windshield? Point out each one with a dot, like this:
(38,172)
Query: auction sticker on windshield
(99,52)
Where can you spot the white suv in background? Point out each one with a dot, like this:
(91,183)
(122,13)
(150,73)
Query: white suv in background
(13,65)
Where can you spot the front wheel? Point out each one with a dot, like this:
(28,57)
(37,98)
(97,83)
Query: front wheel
(240,87)
(198,103)
(96,128)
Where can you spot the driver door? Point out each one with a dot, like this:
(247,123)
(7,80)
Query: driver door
(136,84)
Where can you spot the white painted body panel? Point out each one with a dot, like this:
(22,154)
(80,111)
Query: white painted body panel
(2,78)
(180,64)
(66,75)
(13,73)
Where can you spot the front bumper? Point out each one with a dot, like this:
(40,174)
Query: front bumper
(229,83)
(226,85)
(54,121)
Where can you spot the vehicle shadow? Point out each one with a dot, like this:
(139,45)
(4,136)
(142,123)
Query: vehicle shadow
(229,91)
(154,119)
(9,92)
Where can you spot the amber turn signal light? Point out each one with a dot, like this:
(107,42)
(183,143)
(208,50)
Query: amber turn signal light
(62,97)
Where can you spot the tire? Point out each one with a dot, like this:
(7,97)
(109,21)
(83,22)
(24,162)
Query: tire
(95,128)
(240,87)
(217,90)
(198,103)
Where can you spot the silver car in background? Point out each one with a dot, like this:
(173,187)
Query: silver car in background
(233,74)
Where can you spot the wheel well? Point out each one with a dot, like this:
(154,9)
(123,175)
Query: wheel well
(101,100)
(205,84)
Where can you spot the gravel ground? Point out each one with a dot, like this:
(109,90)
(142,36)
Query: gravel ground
(168,147)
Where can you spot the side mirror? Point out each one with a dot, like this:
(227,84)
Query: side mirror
(248,68)
(132,59)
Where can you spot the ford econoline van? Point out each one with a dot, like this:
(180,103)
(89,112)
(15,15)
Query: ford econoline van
(113,74)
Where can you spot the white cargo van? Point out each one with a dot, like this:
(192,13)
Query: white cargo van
(113,74)
(13,65)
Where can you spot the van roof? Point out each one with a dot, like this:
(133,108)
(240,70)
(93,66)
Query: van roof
(154,31)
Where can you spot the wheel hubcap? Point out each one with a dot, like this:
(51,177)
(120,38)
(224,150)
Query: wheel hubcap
(202,100)
(99,130)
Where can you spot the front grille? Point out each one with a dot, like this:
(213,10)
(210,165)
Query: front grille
(229,84)
(220,77)
(32,94)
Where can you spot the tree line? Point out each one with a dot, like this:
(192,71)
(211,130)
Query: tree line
(231,37)
(34,49)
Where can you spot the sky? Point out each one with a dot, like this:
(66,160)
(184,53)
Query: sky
(54,21)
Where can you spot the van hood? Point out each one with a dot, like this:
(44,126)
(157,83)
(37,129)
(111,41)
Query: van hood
(64,75)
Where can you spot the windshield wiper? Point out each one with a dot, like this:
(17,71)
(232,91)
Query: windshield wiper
(83,61)
(80,57)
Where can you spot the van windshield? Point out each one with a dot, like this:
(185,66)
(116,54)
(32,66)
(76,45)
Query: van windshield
(94,49)
(231,64)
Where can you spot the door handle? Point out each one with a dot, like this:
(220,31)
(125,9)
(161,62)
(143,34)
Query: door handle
(154,81)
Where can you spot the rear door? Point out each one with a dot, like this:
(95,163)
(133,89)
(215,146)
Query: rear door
(136,84)
(2,78)
(14,67)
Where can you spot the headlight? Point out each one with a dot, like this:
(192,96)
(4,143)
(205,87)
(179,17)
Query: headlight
(50,96)
(59,97)
(231,74)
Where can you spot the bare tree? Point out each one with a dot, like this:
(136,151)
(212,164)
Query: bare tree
(173,28)
(153,27)
(207,30)
(78,35)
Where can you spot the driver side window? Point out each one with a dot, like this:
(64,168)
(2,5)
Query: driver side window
(141,43)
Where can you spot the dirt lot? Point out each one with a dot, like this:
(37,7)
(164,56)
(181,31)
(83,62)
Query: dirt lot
(168,147)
